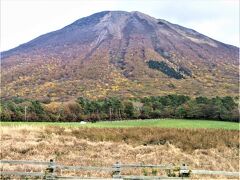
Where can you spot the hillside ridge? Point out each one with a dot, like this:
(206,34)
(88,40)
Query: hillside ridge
(127,54)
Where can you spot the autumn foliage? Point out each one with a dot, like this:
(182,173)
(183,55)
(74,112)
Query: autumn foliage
(114,108)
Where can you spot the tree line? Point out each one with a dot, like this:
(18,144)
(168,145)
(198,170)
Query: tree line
(114,108)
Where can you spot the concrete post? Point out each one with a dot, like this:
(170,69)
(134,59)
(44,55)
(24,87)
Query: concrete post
(50,171)
(117,170)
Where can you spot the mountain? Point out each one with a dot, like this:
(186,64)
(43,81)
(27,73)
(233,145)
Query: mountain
(119,53)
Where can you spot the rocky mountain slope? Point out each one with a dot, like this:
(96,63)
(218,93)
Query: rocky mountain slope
(119,53)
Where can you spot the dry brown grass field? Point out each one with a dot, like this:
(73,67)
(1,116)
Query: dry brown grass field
(200,148)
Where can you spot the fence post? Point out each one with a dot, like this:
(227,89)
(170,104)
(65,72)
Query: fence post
(50,171)
(117,170)
(184,171)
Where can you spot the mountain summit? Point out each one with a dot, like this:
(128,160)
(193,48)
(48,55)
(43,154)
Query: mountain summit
(121,53)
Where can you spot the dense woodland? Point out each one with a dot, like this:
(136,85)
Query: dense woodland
(114,108)
(163,67)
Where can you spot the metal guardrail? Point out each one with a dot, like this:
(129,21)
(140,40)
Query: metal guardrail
(116,169)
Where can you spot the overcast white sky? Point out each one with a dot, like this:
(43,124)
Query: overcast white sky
(23,20)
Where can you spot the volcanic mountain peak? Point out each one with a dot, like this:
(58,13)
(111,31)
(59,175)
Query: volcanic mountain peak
(103,25)
(120,53)
(112,23)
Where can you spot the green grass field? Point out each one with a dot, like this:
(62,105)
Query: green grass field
(162,123)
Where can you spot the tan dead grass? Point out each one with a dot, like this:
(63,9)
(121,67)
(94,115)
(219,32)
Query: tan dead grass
(104,147)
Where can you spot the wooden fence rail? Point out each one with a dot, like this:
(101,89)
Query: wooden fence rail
(16,173)
(24,162)
(116,170)
(84,168)
(207,172)
(161,166)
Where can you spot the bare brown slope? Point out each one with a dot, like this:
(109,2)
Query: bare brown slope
(107,53)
